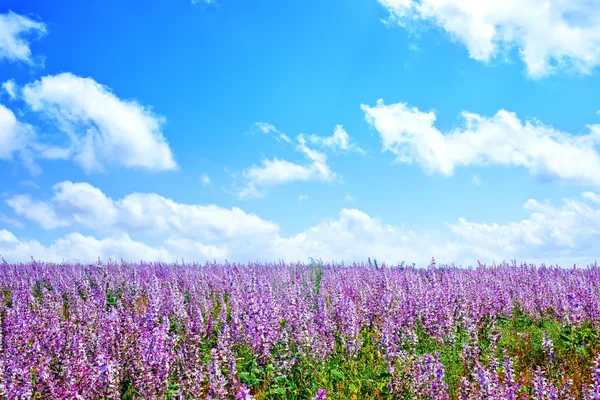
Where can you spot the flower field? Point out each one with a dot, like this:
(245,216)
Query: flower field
(276,331)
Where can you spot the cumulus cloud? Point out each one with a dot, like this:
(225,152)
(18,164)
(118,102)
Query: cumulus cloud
(278,172)
(548,34)
(16,140)
(205,179)
(340,140)
(14,135)
(502,139)
(76,247)
(569,231)
(83,205)
(101,129)
(565,233)
(37,211)
(303,197)
(193,232)
(353,236)
(14,31)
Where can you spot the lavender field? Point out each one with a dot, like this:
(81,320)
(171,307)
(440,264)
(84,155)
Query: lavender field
(275,331)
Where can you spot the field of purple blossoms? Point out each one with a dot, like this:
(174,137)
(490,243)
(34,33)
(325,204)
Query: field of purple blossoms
(276,331)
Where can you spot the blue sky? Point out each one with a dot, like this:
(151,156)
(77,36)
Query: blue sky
(244,131)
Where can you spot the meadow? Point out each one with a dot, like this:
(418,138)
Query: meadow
(298,331)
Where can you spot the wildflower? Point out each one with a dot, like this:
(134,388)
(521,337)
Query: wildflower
(321,395)
(244,393)
(547,345)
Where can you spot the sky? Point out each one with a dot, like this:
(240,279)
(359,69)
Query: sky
(342,130)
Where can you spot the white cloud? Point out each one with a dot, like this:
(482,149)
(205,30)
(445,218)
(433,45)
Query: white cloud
(16,138)
(101,128)
(348,198)
(303,197)
(37,211)
(340,140)
(10,87)
(193,232)
(502,139)
(549,34)
(193,221)
(76,247)
(193,250)
(476,180)
(352,237)
(355,235)
(83,205)
(567,233)
(11,221)
(249,192)
(269,129)
(14,29)
(205,179)
(570,231)
(14,135)
(277,172)
(592,196)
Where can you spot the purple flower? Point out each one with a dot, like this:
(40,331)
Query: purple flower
(321,395)
(244,393)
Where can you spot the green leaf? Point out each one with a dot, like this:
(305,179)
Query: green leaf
(245,377)
(279,391)
(385,374)
(337,374)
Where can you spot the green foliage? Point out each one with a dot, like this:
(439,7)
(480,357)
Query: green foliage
(111,298)
(316,272)
(126,389)
(366,375)
(362,377)
(6,298)
(38,289)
